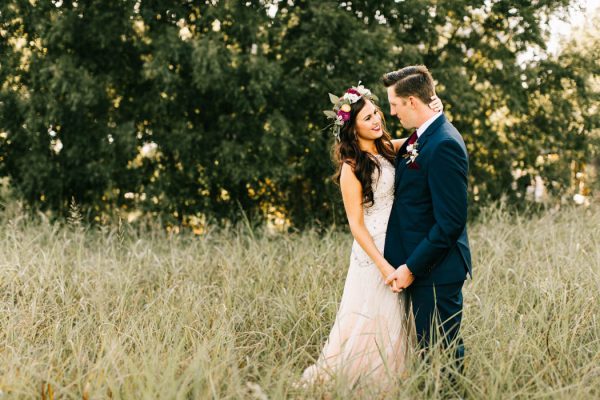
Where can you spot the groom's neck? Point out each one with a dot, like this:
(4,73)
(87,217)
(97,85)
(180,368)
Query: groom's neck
(423,114)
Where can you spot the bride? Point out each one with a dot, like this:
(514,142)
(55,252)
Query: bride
(371,336)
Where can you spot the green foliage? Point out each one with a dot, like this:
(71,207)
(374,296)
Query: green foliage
(196,112)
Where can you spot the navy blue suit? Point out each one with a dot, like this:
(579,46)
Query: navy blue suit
(427,230)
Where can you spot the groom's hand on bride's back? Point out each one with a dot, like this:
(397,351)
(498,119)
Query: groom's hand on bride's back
(400,279)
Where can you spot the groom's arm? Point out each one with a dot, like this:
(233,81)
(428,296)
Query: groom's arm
(447,180)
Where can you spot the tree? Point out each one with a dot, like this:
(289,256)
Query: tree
(195,112)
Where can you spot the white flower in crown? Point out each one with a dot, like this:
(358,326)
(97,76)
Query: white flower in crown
(363,91)
(351,97)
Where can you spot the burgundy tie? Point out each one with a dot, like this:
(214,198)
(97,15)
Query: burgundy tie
(413,138)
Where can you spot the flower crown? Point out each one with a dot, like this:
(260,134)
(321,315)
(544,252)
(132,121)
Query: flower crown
(341,106)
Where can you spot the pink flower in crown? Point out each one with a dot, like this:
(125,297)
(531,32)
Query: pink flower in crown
(344,114)
(353,91)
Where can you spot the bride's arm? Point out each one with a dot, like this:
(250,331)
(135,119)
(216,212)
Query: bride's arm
(397,144)
(352,196)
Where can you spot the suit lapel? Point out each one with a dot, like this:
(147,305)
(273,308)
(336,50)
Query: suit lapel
(400,163)
(431,129)
(400,167)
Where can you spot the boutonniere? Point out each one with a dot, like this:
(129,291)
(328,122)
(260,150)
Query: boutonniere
(412,152)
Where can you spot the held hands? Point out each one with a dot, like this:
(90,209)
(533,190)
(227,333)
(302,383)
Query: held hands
(436,105)
(388,271)
(400,279)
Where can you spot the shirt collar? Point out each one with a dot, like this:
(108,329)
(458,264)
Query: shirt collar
(426,124)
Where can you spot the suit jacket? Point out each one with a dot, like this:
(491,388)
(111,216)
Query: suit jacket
(427,226)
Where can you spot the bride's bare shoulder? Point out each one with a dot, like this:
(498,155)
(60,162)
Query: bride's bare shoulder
(348,164)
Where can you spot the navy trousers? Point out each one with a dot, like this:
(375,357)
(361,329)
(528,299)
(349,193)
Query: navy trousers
(439,307)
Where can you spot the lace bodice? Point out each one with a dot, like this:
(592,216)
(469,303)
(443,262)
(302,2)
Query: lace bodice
(383,189)
(376,216)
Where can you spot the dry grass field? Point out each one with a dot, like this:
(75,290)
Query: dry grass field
(124,313)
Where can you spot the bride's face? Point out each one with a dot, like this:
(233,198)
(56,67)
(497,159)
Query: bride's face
(368,122)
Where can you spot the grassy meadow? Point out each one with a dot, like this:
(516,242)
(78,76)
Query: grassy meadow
(124,313)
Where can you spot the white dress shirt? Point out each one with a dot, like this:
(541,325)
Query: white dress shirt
(426,124)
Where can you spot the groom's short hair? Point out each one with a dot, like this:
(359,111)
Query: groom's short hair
(414,80)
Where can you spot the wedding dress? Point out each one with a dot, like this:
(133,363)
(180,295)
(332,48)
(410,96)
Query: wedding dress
(372,332)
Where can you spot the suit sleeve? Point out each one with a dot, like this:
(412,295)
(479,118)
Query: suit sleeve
(447,179)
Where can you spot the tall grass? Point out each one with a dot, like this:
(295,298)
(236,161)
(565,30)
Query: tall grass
(128,313)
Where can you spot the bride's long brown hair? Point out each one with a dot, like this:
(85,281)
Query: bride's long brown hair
(347,150)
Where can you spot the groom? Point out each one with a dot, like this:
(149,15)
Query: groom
(427,236)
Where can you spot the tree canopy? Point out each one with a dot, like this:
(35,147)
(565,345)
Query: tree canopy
(194,111)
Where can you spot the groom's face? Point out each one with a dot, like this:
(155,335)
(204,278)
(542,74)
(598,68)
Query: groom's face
(401,108)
